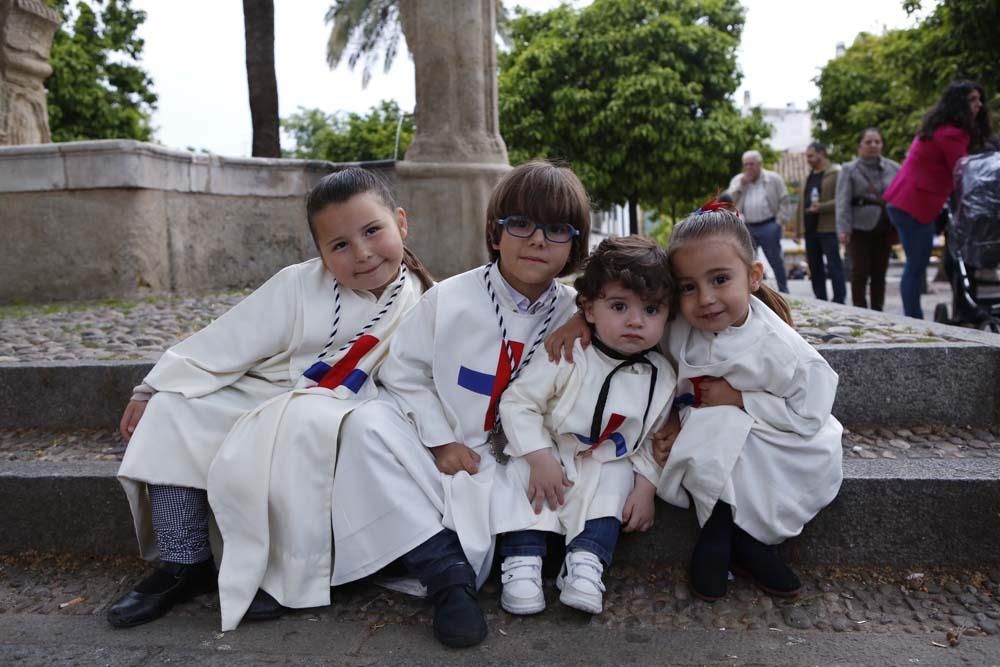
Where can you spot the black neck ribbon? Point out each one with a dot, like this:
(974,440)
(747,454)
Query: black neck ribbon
(602,397)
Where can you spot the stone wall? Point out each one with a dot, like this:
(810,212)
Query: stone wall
(100,219)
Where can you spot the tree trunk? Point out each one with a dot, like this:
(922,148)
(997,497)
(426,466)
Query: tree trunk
(633,216)
(258,23)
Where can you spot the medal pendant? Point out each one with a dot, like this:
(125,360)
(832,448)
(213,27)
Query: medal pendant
(498,441)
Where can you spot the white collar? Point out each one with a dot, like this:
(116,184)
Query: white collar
(733,330)
(523,304)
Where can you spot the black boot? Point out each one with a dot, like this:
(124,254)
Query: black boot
(763,563)
(458,620)
(710,559)
(264,607)
(152,597)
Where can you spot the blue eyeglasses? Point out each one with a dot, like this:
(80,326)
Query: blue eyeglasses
(524,228)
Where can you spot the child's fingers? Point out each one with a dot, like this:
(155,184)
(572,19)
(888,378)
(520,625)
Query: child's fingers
(584,338)
(553,497)
(568,353)
(552,350)
(475,456)
(560,492)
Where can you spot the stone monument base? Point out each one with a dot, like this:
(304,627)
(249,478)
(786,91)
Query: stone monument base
(106,219)
(446,205)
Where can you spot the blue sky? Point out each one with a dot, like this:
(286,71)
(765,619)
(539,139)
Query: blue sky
(195,55)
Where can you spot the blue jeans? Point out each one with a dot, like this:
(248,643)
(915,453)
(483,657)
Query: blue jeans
(768,236)
(433,557)
(918,241)
(818,246)
(599,537)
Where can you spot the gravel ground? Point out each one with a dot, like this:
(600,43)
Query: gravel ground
(143,328)
(931,603)
(914,442)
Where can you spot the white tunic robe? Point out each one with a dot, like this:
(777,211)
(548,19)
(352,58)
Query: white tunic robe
(551,406)
(223,419)
(445,370)
(778,462)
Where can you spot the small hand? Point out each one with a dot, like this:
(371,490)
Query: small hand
(561,340)
(813,208)
(639,508)
(548,481)
(455,457)
(663,439)
(717,391)
(130,418)
(845,237)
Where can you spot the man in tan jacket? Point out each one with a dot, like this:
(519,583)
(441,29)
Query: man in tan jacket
(762,197)
(816,220)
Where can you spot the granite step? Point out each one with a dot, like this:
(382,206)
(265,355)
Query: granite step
(61,496)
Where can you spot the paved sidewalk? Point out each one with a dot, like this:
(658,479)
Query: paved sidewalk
(54,615)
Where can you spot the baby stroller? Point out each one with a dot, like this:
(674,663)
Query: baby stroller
(973,244)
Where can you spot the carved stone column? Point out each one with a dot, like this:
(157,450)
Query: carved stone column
(454,57)
(26,31)
(457,155)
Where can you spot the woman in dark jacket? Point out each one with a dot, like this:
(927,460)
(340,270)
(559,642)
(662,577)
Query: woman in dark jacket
(958,122)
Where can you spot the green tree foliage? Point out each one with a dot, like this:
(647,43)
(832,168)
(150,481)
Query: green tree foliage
(98,90)
(891,80)
(364,30)
(348,137)
(634,94)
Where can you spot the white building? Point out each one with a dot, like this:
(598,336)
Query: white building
(792,127)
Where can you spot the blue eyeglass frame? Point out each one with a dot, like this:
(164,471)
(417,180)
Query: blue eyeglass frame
(544,226)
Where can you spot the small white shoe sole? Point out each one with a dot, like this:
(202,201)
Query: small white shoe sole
(523,607)
(578,600)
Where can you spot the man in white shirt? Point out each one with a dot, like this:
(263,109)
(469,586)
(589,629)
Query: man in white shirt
(762,197)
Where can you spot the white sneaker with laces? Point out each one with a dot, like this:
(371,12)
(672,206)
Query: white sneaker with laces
(580,582)
(521,577)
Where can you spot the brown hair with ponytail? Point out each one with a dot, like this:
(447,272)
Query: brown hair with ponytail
(340,186)
(717,218)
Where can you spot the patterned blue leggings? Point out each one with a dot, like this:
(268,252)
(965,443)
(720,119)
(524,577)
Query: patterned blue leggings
(180,522)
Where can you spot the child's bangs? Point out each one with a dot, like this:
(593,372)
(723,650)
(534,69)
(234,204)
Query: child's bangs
(545,197)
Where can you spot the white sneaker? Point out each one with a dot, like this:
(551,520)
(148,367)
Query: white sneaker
(521,577)
(580,582)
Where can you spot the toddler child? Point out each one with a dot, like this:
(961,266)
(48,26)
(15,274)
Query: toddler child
(578,432)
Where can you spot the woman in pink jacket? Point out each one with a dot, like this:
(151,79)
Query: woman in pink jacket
(959,121)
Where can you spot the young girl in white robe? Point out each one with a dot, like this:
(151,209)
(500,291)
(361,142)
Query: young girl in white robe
(758,451)
(419,467)
(315,333)
(581,456)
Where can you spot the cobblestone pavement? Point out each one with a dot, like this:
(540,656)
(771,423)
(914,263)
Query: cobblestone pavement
(143,328)
(913,442)
(106,330)
(639,595)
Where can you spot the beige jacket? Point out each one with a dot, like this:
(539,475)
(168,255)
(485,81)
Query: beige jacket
(777,193)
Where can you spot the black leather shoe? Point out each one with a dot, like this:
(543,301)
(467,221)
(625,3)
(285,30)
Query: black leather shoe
(264,607)
(764,564)
(458,620)
(152,597)
(710,559)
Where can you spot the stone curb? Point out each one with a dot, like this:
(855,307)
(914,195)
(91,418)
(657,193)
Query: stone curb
(970,335)
(893,513)
(884,384)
